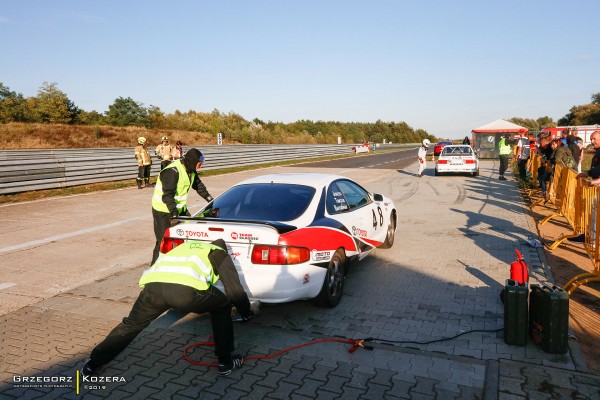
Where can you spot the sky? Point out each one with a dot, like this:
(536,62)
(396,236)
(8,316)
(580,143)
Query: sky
(443,66)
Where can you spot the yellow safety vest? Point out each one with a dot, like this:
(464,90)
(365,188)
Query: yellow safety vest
(181,191)
(503,147)
(187,264)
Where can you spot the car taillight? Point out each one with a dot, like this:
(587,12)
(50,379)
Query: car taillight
(168,243)
(442,161)
(263,254)
(469,161)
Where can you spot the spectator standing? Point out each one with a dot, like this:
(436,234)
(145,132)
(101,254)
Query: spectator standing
(164,152)
(522,155)
(594,171)
(533,145)
(144,161)
(177,151)
(561,154)
(503,154)
(170,194)
(576,150)
(545,170)
(466,140)
(564,134)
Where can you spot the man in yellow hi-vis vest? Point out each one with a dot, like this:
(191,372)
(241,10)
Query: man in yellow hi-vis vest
(170,193)
(504,154)
(183,279)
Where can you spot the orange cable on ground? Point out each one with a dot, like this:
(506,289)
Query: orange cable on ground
(355,344)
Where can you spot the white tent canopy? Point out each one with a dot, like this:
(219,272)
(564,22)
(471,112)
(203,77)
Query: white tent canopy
(500,126)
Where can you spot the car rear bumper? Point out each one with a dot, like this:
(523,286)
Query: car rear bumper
(457,168)
(282,283)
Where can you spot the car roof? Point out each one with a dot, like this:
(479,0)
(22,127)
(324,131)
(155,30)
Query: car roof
(295,178)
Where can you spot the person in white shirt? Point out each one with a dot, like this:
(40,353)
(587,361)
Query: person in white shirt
(523,151)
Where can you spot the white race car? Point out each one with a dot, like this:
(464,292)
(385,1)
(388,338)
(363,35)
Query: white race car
(458,158)
(292,235)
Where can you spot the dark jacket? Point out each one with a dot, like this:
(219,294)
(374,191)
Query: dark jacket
(594,171)
(223,266)
(562,155)
(575,150)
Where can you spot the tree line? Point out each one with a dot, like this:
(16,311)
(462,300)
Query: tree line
(587,114)
(53,106)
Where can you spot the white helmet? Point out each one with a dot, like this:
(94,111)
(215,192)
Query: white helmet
(141,140)
(426,142)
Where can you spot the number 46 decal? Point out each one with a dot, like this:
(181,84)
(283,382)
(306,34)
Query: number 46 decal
(375,217)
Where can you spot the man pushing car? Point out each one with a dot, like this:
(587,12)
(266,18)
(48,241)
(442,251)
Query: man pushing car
(183,279)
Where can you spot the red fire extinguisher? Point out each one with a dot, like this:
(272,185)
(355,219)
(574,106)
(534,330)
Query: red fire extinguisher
(518,269)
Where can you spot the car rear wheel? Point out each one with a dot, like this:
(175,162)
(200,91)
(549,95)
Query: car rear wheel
(436,173)
(333,284)
(476,173)
(391,231)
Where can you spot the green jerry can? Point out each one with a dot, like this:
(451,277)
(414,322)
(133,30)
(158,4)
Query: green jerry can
(515,313)
(549,318)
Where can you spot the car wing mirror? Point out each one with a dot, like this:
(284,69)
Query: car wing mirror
(377,197)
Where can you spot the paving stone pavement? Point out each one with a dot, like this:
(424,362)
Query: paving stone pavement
(455,240)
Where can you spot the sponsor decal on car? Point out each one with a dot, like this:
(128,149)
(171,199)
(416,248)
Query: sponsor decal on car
(359,232)
(187,233)
(320,255)
(243,236)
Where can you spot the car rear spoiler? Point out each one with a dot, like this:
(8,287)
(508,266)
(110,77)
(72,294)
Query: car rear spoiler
(279,227)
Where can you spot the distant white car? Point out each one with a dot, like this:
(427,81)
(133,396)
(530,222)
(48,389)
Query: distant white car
(291,236)
(458,158)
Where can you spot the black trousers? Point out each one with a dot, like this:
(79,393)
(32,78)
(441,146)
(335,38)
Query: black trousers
(162,221)
(522,164)
(144,172)
(503,164)
(155,299)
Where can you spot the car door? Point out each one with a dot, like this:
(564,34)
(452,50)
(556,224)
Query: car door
(362,217)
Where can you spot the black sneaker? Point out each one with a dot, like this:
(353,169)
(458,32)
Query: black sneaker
(502,178)
(577,239)
(236,362)
(87,369)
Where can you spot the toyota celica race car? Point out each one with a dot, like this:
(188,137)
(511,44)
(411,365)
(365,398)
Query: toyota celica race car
(292,235)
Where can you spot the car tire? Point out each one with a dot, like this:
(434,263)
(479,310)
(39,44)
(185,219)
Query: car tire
(333,284)
(391,231)
(436,173)
(476,173)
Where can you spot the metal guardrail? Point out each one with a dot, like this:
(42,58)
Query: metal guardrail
(25,170)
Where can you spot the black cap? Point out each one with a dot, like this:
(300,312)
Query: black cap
(191,158)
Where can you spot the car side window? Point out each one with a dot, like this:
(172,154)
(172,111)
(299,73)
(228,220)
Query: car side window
(336,202)
(354,194)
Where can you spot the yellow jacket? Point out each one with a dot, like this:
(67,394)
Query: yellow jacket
(143,156)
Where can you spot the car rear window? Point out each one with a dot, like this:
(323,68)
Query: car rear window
(457,151)
(263,202)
